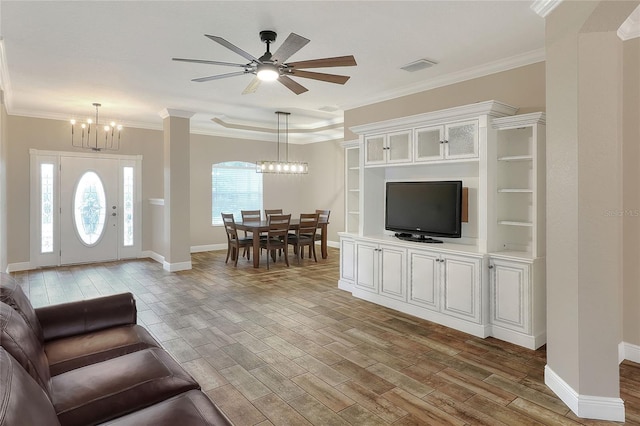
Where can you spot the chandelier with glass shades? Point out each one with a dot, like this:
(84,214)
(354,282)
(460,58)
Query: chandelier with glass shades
(92,135)
(283,167)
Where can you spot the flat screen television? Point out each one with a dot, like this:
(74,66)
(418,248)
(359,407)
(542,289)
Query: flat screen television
(418,210)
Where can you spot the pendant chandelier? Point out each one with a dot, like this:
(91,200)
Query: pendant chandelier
(283,167)
(92,136)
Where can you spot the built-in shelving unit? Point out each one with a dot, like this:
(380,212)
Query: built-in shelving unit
(490,282)
(520,184)
(352,185)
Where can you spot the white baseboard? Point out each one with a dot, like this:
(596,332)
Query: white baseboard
(208,247)
(19,266)
(585,406)
(152,255)
(345,285)
(629,352)
(334,244)
(177,266)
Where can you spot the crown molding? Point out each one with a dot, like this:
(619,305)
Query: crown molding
(516,121)
(238,125)
(506,64)
(544,7)
(631,27)
(170,112)
(492,108)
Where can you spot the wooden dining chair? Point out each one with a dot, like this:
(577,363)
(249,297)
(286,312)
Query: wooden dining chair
(305,236)
(249,216)
(277,236)
(267,212)
(323,216)
(234,242)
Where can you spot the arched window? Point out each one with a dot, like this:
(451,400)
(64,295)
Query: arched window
(235,186)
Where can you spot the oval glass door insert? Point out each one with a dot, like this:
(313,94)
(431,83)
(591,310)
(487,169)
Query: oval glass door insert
(89,207)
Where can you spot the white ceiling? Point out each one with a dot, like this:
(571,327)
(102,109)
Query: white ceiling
(60,57)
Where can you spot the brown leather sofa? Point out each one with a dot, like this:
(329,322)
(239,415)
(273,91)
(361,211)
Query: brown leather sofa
(88,363)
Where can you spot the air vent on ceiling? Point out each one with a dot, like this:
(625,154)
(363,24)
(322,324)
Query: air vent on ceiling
(418,65)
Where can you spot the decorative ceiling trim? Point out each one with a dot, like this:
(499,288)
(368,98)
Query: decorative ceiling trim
(631,27)
(544,7)
(170,112)
(242,126)
(512,62)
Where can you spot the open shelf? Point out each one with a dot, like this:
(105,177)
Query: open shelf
(515,223)
(515,190)
(516,158)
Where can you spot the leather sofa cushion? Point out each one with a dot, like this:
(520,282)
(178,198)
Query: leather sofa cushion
(11,294)
(192,408)
(78,351)
(22,400)
(18,339)
(100,392)
(84,316)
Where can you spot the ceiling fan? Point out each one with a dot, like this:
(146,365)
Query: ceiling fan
(269,67)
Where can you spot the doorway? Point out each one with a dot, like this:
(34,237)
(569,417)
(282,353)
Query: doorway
(85,208)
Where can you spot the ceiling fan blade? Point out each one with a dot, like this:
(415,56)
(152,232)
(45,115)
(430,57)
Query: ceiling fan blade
(232,47)
(291,45)
(338,61)
(202,61)
(219,76)
(252,87)
(331,78)
(295,87)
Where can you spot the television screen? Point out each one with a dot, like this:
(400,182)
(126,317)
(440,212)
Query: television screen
(432,208)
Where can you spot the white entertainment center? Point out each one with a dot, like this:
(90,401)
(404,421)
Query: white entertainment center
(490,282)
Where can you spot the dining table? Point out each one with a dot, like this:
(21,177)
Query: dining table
(257,227)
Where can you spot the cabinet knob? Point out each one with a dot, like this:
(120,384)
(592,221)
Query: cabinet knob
(446,141)
(490,266)
(441,141)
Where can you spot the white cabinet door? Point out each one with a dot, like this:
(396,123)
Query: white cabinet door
(461,287)
(461,140)
(367,265)
(428,144)
(510,289)
(399,147)
(375,149)
(392,272)
(347,259)
(424,279)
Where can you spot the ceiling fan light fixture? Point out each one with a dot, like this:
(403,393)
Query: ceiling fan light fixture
(268,72)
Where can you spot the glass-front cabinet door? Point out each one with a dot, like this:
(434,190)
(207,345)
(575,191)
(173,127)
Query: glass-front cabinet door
(461,140)
(374,149)
(399,147)
(429,144)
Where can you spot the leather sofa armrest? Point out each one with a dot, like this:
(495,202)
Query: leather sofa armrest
(84,316)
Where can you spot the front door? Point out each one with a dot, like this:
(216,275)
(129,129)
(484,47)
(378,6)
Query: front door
(89,225)
(85,207)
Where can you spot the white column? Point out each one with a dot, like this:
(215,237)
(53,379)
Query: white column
(584,203)
(177,253)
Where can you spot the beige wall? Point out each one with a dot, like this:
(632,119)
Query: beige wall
(321,188)
(584,196)
(631,191)
(522,87)
(24,133)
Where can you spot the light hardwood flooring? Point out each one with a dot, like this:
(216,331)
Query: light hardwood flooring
(287,347)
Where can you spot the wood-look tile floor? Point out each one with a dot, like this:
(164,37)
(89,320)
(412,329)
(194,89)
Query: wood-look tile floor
(287,347)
